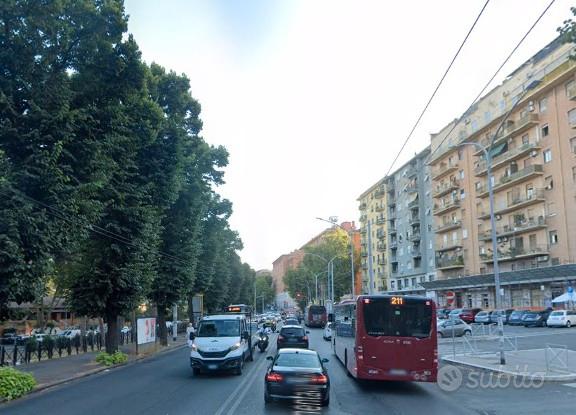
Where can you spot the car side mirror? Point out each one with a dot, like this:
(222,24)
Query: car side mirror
(307,331)
(269,357)
(192,336)
(245,335)
(325,360)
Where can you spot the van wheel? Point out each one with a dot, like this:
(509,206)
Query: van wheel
(238,371)
(196,371)
(568,324)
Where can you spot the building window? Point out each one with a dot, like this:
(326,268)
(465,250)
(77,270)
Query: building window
(553,237)
(399,284)
(460,154)
(574,174)
(569,87)
(487,117)
(543,104)
(429,228)
(547,156)
(572,117)
(461,174)
(573,144)
(413,281)
(430,244)
(464,233)
(545,130)
(549,183)
(392,284)
(551,209)
(462,194)
(525,139)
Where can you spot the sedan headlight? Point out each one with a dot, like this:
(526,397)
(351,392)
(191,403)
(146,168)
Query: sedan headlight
(235,346)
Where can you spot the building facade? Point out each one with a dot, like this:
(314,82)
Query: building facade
(373,231)
(528,123)
(410,226)
(282,264)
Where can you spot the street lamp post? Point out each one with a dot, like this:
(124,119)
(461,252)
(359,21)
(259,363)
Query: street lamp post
(333,221)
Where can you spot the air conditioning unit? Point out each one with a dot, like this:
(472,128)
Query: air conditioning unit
(533,153)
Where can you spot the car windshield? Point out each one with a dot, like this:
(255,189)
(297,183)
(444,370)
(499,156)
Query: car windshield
(292,331)
(557,313)
(219,328)
(306,360)
(411,319)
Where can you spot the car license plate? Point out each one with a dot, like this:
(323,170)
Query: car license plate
(293,381)
(212,367)
(398,372)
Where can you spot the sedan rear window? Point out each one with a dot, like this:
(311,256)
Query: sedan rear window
(292,331)
(557,313)
(297,360)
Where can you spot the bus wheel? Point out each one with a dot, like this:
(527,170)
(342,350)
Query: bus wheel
(346,363)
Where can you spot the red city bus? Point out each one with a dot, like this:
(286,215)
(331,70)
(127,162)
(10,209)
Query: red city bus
(315,316)
(387,337)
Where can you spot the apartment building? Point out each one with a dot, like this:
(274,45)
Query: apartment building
(410,226)
(373,225)
(528,123)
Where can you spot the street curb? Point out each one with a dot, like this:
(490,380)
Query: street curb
(86,374)
(546,378)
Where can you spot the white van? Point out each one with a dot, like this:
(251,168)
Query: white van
(561,318)
(222,342)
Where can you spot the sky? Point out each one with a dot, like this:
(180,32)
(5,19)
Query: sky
(313,98)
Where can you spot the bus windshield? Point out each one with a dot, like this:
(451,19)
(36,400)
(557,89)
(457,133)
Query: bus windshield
(317,309)
(412,319)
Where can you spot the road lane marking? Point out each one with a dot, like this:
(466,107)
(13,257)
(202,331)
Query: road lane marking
(247,387)
(248,379)
(571,385)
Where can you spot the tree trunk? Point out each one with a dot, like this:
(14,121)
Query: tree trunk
(112,334)
(162,330)
(191,308)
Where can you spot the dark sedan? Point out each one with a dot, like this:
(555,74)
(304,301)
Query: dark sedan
(291,322)
(536,318)
(292,336)
(504,313)
(517,318)
(297,374)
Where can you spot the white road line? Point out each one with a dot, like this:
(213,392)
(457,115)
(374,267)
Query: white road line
(257,372)
(572,385)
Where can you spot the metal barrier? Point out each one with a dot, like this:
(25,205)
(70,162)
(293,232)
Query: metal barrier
(556,358)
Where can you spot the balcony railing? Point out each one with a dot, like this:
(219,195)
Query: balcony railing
(381,246)
(445,188)
(414,204)
(517,253)
(363,231)
(443,170)
(381,220)
(416,252)
(381,261)
(412,187)
(449,245)
(536,196)
(378,194)
(440,209)
(510,155)
(363,218)
(414,220)
(506,230)
(379,208)
(415,236)
(363,206)
(450,262)
(393,244)
(449,226)
(512,130)
(508,181)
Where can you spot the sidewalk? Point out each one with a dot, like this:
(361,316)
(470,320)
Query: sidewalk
(551,364)
(53,372)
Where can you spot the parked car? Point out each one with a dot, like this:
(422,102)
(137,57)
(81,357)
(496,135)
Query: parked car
(458,326)
(294,373)
(536,318)
(126,329)
(468,314)
(483,317)
(516,318)
(455,313)
(561,318)
(9,336)
(442,313)
(292,336)
(71,333)
(328,331)
(504,313)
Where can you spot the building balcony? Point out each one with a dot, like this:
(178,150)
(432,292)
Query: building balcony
(391,188)
(393,244)
(392,215)
(414,204)
(414,220)
(379,194)
(392,231)
(364,254)
(380,220)
(443,170)
(508,156)
(452,262)
(448,226)
(381,247)
(537,196)
(412,188)
(363,231)
(451,205)
(571,92)
(363,218)
(512,254)
(416,252)
(391,201)
(412,171)
(506,182)
(379,208)
(381,274)
(363,206)
(381,261)
(513,129)
(449,245)
(445,188)
(508,230)
(394,259)
(415,236)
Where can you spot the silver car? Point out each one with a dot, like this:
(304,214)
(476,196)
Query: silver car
(453,327)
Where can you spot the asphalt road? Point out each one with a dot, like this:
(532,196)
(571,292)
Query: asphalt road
(166,386)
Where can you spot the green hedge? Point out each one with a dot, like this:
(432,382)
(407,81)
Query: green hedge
(14,383)
(111,359)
